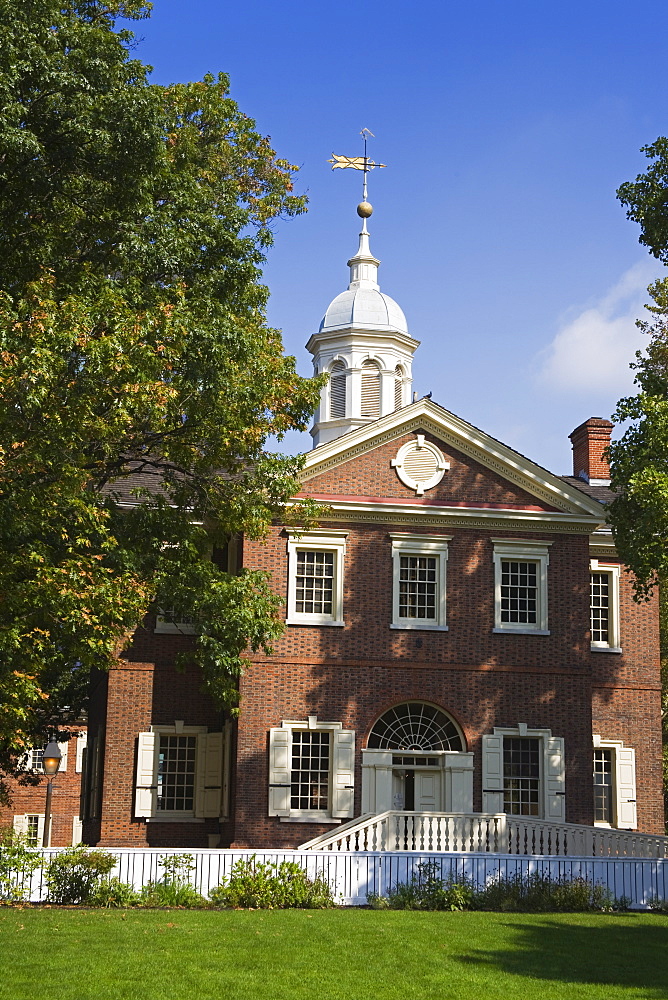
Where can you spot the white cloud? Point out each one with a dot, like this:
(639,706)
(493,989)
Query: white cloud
(592,351)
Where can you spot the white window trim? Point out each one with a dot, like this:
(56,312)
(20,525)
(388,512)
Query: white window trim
(316,541)
(552,772)
(344,778)
(613,570)
(620,806)
(522,550)
(164,625)
(406,544)
(210,766)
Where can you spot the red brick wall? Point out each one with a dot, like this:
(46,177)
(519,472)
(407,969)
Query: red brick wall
(64,803)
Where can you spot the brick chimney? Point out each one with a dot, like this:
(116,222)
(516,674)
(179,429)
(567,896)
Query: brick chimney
(589,441)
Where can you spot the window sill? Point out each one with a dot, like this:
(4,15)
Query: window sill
(314,621)
(606,649)
(521,631)
(420,626)
(310,818)
(174,819)
(176,629)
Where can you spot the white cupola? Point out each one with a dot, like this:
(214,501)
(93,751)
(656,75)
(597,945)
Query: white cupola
(364,345)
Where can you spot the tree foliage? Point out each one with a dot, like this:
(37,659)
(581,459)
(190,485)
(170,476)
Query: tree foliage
(134,352)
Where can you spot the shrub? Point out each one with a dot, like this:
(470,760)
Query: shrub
(539,892)
(112,893)
(174,888)
(255,885)
(73,875)
(426,890)
(17,863)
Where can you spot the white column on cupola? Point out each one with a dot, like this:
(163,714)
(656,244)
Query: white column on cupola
(362,328)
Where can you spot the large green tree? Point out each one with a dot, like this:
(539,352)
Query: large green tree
(134,350)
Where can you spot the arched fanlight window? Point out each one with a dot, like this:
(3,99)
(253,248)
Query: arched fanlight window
(398,387)
(337,390)
(370,389)
(415,725)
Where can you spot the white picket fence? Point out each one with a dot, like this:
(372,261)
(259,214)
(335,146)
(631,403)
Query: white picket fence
(352,875)
(495,833)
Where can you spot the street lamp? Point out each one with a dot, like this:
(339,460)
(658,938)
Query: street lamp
(50,764)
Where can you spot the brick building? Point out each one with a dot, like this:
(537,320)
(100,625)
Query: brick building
(460,637)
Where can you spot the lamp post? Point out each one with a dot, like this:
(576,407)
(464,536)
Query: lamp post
(50,763)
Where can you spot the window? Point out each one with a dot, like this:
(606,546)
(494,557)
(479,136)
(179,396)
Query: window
(315,577)
(520,586)
(311,771)
(523,773)
(415,725)
(180,773)
(337,390)
(604,605)
(35,757)
(31,826)
(418,597)
(614,774)
(167,623)
(370,390)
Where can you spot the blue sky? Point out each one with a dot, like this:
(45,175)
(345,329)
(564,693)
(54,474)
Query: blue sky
(506,127)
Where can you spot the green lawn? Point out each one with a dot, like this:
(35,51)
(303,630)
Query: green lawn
(57,954)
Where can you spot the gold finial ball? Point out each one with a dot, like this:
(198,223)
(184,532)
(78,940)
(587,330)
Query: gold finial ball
(364,209)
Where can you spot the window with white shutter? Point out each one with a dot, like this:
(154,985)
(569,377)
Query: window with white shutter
(179,773)
(523,773)
(311,771)
(614,774)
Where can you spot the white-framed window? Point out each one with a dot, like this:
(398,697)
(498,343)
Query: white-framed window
(614,773)
(419,581)
(180,773)
(34,759)
(315,577)
(166,623)
(520,586)
(604,606)
(311,771)
(31,825)
(523,773)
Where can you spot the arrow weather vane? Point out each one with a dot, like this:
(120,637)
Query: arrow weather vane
(357,162)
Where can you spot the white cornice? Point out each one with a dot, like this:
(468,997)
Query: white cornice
(425,415)
(475,517)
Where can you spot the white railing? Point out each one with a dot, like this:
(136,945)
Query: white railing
(352,876)
(486,833)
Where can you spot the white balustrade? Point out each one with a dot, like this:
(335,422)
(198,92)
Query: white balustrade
(485,833)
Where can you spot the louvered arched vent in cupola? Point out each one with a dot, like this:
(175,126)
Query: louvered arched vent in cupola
(337,390)
(370,390)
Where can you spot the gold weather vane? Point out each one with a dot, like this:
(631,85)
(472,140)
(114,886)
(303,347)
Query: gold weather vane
(357,162)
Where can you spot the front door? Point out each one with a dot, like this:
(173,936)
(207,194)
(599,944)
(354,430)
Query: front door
(416,789)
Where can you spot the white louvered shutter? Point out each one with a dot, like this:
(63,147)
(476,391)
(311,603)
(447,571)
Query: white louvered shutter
(370,390)
(337,390)
(82,740)
(146,792)
(279,772)
(227,768)
(492,774)
(421,464)
(555,777)
(63,759)
(627,818)
(209,775)
(77,830)
(21,824)
(343,773)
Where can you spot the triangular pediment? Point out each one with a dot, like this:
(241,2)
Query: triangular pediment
(483,472)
